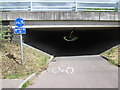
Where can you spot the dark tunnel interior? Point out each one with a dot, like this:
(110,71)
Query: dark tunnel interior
(89,42)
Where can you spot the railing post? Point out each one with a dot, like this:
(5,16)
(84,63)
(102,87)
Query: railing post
(118,6)
(30,5)
(76,6)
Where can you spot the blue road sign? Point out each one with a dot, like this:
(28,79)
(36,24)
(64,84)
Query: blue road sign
(20,30)
(19,22)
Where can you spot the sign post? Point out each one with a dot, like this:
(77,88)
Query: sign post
(20,30)
(21,49)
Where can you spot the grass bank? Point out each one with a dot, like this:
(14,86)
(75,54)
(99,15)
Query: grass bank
(10,61)
(113,55)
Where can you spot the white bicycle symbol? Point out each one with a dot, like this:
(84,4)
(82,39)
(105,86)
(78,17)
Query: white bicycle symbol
(69,70)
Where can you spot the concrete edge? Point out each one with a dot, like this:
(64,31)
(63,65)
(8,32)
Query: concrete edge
(50,59)
(31,76)
(27,79)
(34,74)
(107,60)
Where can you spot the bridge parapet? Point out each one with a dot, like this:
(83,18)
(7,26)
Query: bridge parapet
(87,16)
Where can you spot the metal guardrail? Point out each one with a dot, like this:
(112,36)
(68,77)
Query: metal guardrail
(58,6)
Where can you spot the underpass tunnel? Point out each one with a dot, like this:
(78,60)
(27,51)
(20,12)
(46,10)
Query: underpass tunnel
(88,41)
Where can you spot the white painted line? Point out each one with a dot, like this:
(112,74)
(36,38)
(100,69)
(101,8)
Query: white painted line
(71,70)
(56,70)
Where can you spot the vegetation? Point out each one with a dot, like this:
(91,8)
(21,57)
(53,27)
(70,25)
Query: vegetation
(113,55)
(25,84)
(10,61)
(0,29)
(100,10)
(5,32)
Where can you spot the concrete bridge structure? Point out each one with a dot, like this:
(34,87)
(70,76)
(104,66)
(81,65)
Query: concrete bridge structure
(96,31)
(63,19)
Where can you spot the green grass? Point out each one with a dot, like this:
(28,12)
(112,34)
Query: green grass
(13,76)
(112,61)
(25,84)
(16,75)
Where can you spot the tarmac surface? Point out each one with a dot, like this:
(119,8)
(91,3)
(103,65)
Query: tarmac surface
(11,83)
(78,72)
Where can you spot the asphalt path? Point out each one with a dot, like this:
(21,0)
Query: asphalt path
(78,72)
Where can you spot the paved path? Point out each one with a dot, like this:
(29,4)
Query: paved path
(78,72)
(0,84)
(11,83)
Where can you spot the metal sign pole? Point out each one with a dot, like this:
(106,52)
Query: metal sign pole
(20,30)
(21,49)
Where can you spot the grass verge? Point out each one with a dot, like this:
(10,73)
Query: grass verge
(10,61)
(113,55)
